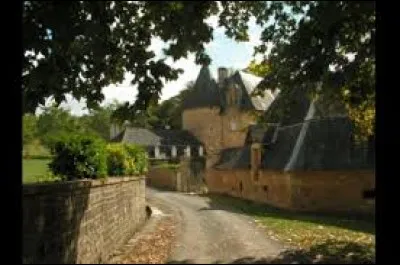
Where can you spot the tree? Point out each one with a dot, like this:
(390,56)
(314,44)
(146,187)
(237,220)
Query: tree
(170,111)
(80,47)
(259,69)
(29,128)
(54,122)
(98,120)
(327,42)
(85,46)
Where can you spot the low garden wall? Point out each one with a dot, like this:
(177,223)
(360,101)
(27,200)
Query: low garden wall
(80,221)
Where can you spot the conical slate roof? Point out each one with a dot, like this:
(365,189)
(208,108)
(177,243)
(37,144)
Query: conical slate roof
(205,92)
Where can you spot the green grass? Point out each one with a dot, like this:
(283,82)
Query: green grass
(327,239)
(35,149)
(33,168)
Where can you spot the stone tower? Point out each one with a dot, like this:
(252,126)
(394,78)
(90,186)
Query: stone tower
(219,113)
(201,114)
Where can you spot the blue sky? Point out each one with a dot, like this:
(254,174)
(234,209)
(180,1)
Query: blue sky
(223,51)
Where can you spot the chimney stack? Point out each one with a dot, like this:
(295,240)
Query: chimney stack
(222,75)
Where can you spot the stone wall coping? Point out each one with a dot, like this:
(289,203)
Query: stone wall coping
(54,187)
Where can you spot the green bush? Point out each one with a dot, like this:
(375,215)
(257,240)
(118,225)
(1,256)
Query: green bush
(124,159)
(117,160)
(139,158)
(79,156)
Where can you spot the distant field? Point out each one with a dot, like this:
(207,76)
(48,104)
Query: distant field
(32,168)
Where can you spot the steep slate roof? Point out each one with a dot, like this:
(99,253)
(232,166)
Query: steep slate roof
(260,134)
(327,144)
(205,92)
(313,135)
(147,137)
(234,158)
(323,141)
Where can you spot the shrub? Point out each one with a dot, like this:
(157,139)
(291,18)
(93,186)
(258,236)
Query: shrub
(79,156)
(117,160)
(139,158)
(125,159)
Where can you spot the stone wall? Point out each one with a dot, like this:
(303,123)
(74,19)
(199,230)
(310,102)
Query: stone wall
(206,125)
(323,191)
(272,187)
(187,177)
(80,221)
(191,175)
(340,191)
(162,177)
(217,131)
(235,127)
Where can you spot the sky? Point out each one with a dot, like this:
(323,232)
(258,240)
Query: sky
(224,52)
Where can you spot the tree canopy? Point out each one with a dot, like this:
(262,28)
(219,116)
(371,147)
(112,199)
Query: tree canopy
(330,43)
(259,69)
(80,47)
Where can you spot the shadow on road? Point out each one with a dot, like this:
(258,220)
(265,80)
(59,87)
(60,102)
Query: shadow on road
(337,255)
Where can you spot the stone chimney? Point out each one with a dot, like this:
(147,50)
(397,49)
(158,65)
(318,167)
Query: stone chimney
(222,75)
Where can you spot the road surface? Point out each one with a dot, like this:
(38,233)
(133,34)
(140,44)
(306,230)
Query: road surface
(210,233)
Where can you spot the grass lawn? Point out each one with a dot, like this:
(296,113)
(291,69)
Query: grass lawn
(31,168)
(312,238)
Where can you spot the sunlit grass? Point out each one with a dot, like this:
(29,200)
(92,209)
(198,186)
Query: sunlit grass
(329,238)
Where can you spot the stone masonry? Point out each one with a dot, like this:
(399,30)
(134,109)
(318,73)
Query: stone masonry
(80,221)
(316,191)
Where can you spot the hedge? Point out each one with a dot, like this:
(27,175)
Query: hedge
(79,156)
(124,159)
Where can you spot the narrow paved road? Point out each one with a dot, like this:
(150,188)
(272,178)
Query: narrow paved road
(209,233)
